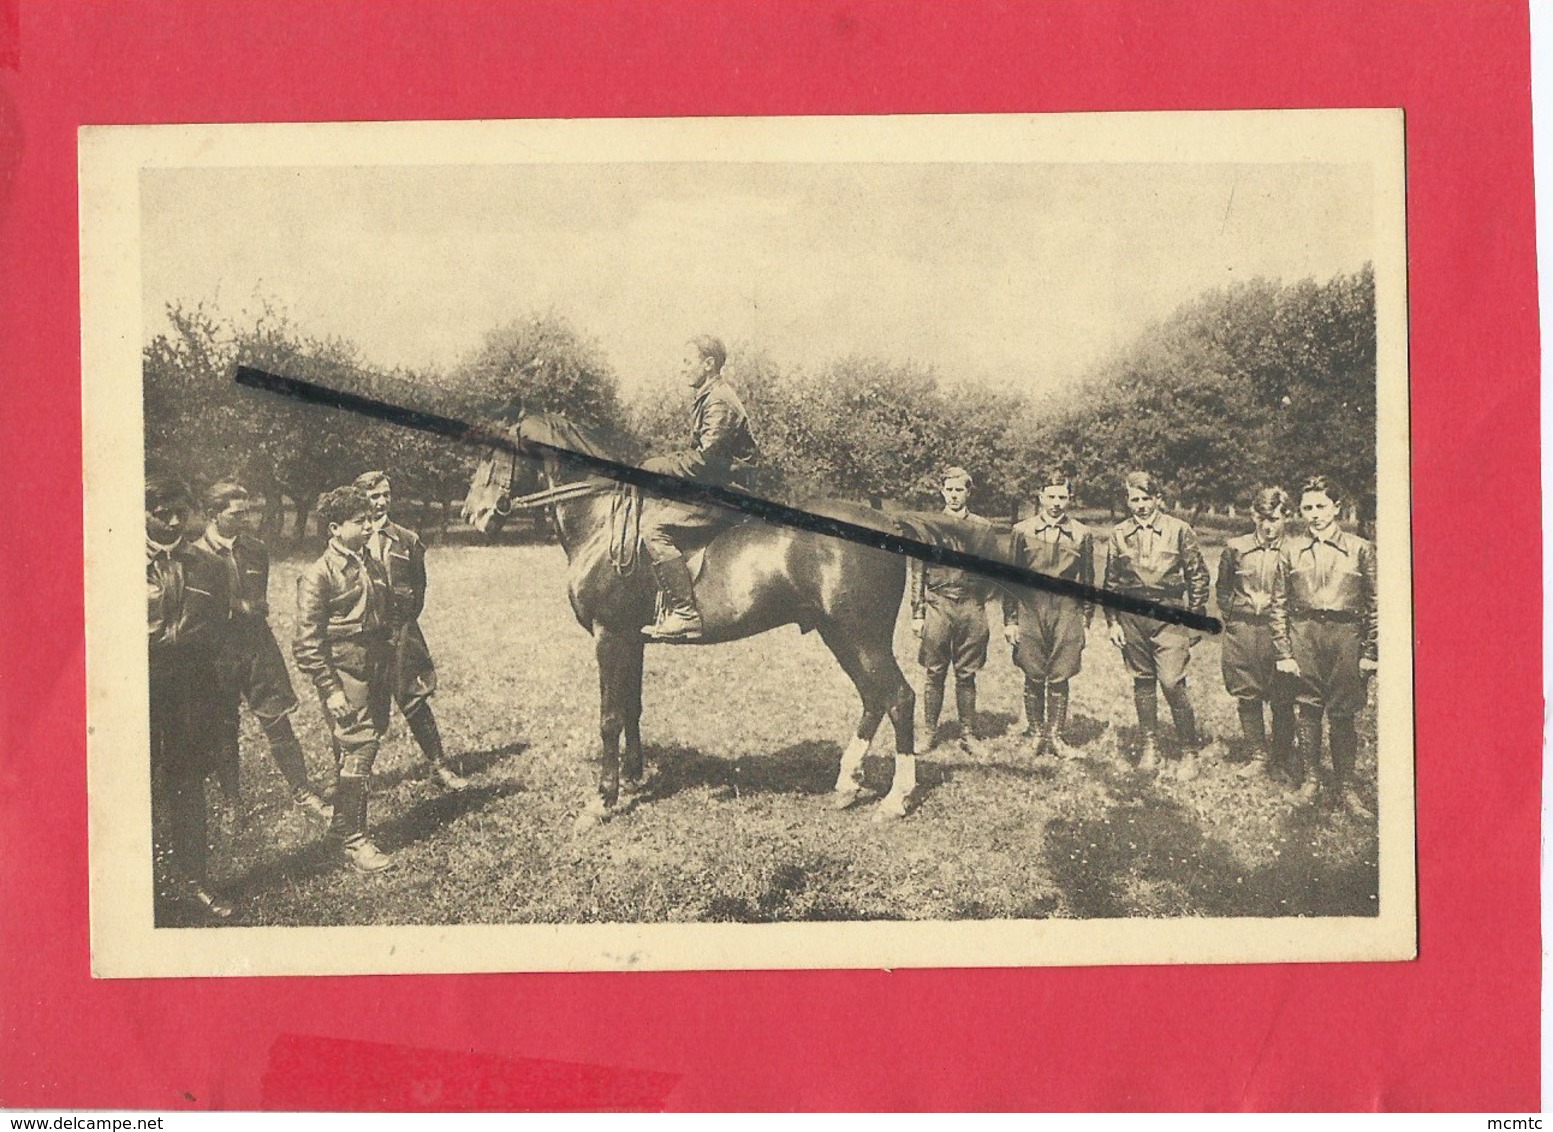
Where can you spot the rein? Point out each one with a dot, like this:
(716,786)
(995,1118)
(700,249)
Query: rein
(561,493)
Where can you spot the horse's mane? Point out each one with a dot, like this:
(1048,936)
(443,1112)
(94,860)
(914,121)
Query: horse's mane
(592,440)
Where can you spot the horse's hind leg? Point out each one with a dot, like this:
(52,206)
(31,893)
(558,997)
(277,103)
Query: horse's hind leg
(864,673)
(631,769)
(903,710)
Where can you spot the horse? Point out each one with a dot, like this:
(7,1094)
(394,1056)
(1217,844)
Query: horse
(756,576)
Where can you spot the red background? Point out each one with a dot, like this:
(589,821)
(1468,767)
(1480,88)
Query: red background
(1456,1029)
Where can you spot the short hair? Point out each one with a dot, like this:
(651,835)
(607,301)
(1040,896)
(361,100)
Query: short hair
(1142,481)
(219,495)
(343,504)
(711,346)
(1055,477)
(1268,501)
(167,491)
(368,480)
(955,472)
(1324,486)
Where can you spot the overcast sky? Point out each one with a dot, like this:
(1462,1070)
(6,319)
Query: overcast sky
(1024,274)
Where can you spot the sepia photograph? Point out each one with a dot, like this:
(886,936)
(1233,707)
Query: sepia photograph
(735,543)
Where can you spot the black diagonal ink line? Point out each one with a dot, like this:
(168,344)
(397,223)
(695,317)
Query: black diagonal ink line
(687,491)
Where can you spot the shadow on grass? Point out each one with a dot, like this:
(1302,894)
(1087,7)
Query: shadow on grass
(415,824)
(809,767)
(1147,856)
(782,899)
(468,763)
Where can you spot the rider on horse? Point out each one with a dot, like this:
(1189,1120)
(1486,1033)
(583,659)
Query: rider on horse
(722,448)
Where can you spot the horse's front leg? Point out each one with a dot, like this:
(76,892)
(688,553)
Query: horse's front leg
(612,653)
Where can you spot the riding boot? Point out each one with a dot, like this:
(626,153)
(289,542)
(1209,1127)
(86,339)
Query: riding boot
(287,753)
(1307,758)
(965,707)
(1146,702)
(1254,730)
(932,708)
(1186,730)
(1282,748)
(1035,712)
(1057,719)
(423,725)
(680,619)
(348,828)
(1344,738)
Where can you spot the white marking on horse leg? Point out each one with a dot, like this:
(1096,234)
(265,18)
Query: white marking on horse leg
(901,789)
(850,780)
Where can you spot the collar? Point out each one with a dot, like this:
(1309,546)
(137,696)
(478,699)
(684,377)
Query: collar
(1155,524)
(213,537)
(341,553)
(966,514)
(1064,524)
(155,550)
(1337,539)
(380,526)
(1258,544)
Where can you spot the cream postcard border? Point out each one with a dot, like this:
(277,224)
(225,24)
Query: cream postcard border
(124,943)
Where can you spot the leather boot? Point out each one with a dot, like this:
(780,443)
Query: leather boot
(1057,720)
(1281,753)
(1035,712)
(428,736)
(965,707)
(1253,730)
(680,619)
(932,708)
(1186,730)
(348,829)
(1344,738)
(1307,760)
(1146,701)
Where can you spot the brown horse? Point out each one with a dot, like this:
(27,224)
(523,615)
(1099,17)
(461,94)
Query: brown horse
(756,576)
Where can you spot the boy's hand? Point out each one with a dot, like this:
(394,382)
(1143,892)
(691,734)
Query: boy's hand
(1291,666)
(917,625)
(1011,633)
(1115,635)
(338,705)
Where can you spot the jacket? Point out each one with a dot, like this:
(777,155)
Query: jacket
(722,445)
(403,556)
(1159,560)
(1071,556)
(1245,583)
(1331,579)
(342,610)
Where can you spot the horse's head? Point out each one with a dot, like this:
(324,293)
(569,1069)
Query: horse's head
(489,501)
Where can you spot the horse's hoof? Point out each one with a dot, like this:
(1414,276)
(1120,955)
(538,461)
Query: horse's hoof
(593,815)
(844,799)
(893,808)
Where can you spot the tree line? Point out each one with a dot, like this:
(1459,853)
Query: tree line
(1259,382)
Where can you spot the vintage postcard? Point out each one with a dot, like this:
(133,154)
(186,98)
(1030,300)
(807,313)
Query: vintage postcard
(1041,591)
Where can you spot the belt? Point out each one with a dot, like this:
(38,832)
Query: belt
(954,593)
(1246,618)
(1330,616)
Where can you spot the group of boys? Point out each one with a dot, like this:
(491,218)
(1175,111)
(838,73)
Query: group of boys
(211,647)
(1299,613)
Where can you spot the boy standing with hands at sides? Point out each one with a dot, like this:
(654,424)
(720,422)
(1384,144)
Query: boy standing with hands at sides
(1245,591)
(1154,555)
(249,662)
(1046,629)
(1325,630)
(344,644)
(949,617)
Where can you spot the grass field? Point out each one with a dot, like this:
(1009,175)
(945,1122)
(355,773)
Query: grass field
(746,739)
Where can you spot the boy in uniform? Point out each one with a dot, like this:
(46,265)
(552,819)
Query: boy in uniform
(403,557)
(1325,629)
(949,616)
(249,663)
(1245,590)
(1046,629)
(344,644)
(1155,555)
(186,606)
